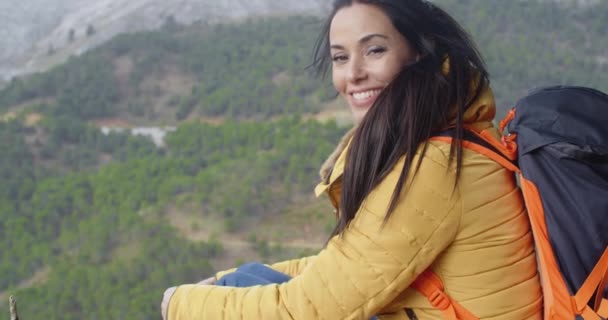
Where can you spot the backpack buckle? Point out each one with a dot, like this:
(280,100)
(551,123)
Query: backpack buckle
(440,300)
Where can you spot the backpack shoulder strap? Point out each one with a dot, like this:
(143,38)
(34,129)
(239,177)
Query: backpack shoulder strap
(429,284)
(483,144)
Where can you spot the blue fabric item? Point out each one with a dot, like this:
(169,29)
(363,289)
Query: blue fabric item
(253,274)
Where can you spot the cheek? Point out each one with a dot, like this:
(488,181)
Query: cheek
(390,75)
(395,68)
(391,69)
(337,81)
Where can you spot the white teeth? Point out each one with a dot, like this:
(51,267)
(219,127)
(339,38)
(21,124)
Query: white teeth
(365,95)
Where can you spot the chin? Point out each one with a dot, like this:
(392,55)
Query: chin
(358,114)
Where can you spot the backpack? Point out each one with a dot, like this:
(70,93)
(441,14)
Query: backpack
(558,147)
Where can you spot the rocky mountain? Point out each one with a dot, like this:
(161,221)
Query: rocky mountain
(35,34)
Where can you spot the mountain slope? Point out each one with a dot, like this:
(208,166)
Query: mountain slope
(31,29)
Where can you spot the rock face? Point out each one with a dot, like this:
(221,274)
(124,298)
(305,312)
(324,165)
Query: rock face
(36,33)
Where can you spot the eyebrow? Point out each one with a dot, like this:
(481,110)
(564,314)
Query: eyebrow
(365,39)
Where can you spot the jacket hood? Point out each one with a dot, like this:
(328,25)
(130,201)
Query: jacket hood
(481,112)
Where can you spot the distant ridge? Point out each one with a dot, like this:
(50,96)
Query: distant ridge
(34,35)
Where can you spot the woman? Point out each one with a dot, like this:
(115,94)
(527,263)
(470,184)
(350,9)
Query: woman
(404,203)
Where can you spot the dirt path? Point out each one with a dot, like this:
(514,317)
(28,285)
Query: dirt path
(39,277)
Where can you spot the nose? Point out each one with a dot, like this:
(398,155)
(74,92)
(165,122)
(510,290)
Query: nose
(356,70)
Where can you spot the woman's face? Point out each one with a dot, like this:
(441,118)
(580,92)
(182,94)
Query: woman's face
(367,53)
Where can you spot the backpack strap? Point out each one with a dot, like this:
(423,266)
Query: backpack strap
(599,296)
(482,143)
(603,308)
(556,294)
(430,285)
(595,283)
(588,314)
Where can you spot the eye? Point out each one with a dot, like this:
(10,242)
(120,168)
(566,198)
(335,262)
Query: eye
(375,50)
(339,58)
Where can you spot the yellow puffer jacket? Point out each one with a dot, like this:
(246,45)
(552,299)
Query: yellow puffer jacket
(475,237)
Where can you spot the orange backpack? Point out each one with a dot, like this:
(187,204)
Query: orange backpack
(558,147)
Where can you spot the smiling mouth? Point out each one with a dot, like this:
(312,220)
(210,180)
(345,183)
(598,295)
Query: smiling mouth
(365,95)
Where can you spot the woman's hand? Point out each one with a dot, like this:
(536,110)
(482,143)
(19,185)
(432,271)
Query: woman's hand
(164,305)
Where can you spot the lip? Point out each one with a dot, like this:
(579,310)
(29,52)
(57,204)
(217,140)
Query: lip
(363,103)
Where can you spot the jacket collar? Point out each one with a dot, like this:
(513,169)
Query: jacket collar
(333,167)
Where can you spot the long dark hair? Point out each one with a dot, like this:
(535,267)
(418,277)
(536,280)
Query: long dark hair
(425,96)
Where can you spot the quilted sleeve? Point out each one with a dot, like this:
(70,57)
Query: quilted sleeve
(291,267)
(359,272)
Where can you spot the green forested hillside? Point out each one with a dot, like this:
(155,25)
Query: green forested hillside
(101,238)
(250,70)
(537,43)
(95,226)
